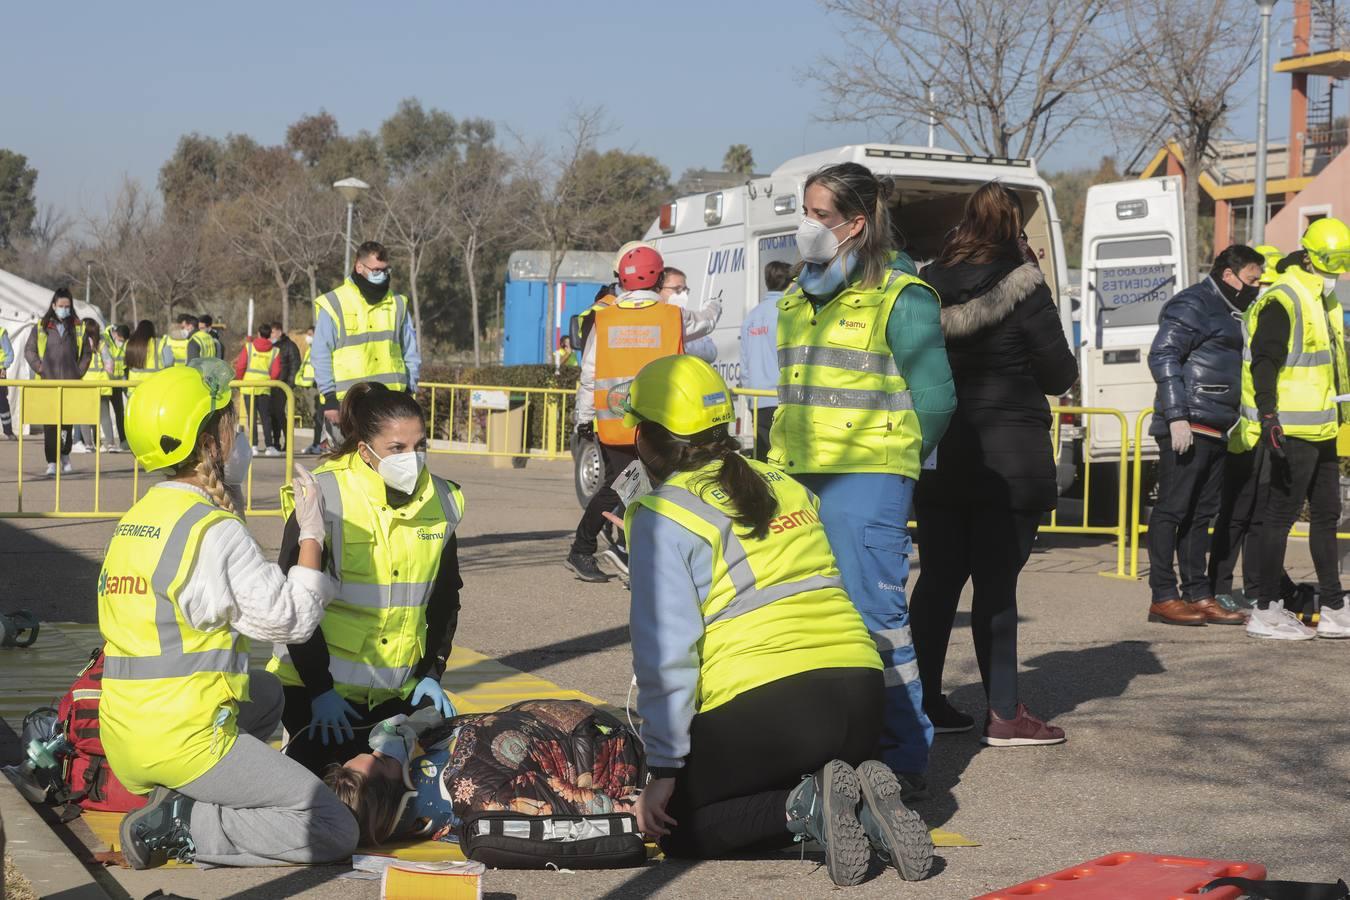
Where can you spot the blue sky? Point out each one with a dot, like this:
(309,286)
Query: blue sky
(98,90)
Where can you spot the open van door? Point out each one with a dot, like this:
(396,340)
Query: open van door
(1134,245)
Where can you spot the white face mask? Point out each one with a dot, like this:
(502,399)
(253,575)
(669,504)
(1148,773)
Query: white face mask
(816,241)
(240,458)
(1328,284)
(401,470)
(680,298)
(633,482)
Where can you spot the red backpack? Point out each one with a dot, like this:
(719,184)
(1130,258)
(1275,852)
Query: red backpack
(90,779)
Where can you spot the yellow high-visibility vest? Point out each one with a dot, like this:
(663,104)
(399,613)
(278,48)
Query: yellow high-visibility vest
(206,347)
(368,346)
(171,693)
(776,605)
(387,559)
(258,368)
(118,352)
(843,405)
(1314,370)
(178,347)
(305,377)
(42,342)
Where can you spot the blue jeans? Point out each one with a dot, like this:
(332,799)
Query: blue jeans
(865,516)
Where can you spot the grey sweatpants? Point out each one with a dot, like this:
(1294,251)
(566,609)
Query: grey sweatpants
(257,807)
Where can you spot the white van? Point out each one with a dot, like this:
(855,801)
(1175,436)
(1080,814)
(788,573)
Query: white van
(1132,249)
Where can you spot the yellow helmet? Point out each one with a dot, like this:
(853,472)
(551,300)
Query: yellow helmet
(1273,257)
(682,393)
(167,410)
(1328,244)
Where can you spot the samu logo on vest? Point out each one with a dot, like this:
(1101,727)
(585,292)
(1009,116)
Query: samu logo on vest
(121,584)
(788,521)
(634,337)
(852,324)
(431,534)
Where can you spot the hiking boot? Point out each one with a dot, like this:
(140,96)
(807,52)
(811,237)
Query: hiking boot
(1022,730)
(1175,612)
(1215,614)
(1234,602)
(947,719)
(824,808)
(1278,624)
(158,832)
(1334,623)
(585,567)
(896,832)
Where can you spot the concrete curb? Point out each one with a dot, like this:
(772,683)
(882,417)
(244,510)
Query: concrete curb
(41,855)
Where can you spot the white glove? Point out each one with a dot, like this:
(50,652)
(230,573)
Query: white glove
(308,505)
(1182,438)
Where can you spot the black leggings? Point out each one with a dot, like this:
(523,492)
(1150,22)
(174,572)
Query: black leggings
(1309,471)
(49,441)
(307,748)
(605,500)
(747,755)
(989,546)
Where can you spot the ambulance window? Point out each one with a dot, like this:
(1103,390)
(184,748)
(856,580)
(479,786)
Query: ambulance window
(1134,248)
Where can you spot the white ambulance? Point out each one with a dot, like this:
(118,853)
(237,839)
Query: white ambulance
(1132,250)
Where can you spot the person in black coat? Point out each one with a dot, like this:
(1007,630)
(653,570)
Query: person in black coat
(983,493)
(1196,359)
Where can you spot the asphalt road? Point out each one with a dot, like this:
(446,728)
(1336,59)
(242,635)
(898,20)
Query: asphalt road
(1182,741)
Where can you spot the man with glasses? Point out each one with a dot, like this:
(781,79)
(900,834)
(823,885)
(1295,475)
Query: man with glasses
(363,332)
(1196,359)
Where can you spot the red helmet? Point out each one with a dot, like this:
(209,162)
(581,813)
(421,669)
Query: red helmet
(640,269)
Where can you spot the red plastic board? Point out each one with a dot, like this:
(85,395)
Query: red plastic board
(1135,876)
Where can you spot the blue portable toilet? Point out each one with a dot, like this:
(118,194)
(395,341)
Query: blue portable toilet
(532,323)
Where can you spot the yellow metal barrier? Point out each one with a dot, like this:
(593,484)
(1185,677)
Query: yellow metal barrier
(66,403)
(498,421)
(1119,529)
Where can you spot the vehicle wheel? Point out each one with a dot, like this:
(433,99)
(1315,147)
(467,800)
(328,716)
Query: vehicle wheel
(589,471)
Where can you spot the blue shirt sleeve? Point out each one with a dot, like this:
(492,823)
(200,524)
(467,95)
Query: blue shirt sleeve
(412,356)
(165,353)
(914,334)
(671,573)
(321,352)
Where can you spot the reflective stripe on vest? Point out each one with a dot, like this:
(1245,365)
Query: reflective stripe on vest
(305,377)
(843,405)
(368,346)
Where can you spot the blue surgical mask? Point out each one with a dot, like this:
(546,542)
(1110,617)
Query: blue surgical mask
(378,277)
(63,312)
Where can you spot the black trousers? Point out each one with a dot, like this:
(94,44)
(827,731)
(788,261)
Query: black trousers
(1310,471)
(259,409)
(763,423)
(278,414)
(318,419)
(605,500)
(1237,528)
(747,755)
(1190,486)
(6,422)
(987,546)
(49,441)
(119,401)
(307,748)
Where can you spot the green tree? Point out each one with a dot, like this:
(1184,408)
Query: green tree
(18,207)
(416,139)
(1071,202)
(738,160)
(624,192)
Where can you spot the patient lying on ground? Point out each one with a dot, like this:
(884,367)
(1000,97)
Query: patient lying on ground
(537,757)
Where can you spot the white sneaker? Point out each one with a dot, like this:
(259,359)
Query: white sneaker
(1334,623)
(271,451)
(79,447)
(51,470)
(258,450)
(66,467)
(1278,624)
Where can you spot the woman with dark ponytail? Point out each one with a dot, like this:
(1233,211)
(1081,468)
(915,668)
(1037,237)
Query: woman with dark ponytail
(383,644)
(752,665)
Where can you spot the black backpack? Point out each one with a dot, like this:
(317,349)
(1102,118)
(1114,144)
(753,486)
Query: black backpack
(506,840)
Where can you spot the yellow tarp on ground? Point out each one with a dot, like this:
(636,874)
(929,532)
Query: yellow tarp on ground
(476,683)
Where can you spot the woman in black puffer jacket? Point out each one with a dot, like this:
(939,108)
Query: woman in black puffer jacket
(981,499)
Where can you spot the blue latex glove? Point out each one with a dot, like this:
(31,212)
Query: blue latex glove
(332,713)
(430,687)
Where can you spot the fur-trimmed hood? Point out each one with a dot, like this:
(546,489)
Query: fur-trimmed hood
(994,305)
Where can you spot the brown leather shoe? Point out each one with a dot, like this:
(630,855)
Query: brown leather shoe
(1215,614)
(1176,612)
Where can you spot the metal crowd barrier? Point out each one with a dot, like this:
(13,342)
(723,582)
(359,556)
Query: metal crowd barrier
(498,421)
(67,403)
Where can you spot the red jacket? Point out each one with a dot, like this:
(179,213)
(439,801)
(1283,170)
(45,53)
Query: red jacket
(262,345)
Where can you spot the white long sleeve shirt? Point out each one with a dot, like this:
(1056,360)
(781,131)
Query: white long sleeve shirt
(234,585)
(697,323)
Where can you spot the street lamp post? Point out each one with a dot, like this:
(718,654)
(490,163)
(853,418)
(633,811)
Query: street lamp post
(1258,229)
(88,275)
(350,189)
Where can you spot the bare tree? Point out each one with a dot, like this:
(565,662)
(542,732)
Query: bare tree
(477,201)
(1194,54)
(253,228)
(115,235)
(415,217)
(311,220)
(998,77)
(169,259)
(42,253)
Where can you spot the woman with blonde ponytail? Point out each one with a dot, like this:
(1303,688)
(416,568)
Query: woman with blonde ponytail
(183,588)
(752,665)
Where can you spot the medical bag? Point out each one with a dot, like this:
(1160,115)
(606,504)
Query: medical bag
(90,779)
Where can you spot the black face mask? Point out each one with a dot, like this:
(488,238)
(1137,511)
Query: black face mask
(1240,298)
(373,293)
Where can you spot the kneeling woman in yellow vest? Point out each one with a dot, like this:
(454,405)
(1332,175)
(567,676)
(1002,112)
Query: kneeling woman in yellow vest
(183,588)
(752,665)
(383,643)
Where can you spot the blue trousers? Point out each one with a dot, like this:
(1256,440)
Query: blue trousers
(865,516)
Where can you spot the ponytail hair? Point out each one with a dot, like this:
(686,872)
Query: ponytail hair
(751,498)
(208,466)
(366,409)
